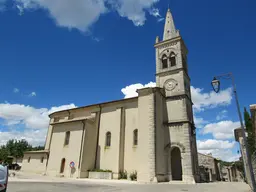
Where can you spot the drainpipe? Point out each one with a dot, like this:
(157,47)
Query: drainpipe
(80,155)
(97,144)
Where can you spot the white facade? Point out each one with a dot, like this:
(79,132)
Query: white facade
(152,134)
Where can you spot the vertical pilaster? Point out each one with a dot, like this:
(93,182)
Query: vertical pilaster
(187,162)
(49,135)
(146,107)
(122,140)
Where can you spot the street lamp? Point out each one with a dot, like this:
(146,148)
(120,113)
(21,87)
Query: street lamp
(216,87)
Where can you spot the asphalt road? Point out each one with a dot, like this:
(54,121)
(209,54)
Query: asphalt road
(90,187)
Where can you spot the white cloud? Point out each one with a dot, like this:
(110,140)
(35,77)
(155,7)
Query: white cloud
(81,14)
(222,129)
(97,39)
(130,90)
(32,118)
(214,144)
(199,122)
(134,10)
(222,115)
(225,155)
(2,5)
(16,90)
(160,19)
(218,148)
(21,9)
(155,12)
(33,94)
(203,100)
(34,137)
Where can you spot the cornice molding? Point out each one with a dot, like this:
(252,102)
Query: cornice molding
(172,71)
(149,90)
(168,42)
(178,122)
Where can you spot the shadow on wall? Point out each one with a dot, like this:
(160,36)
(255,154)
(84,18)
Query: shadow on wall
(73,170)
(98,157)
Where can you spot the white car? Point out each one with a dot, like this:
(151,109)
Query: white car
(3,178)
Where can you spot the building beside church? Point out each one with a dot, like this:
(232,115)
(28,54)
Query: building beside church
(209,168)
(152,134)
(253,116)
(238,133)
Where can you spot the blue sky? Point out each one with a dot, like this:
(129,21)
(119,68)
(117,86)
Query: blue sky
(74,53)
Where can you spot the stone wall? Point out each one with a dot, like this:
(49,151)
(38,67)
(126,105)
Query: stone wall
(208,165)
(253,116)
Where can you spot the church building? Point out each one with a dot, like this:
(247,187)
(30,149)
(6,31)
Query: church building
(152,135)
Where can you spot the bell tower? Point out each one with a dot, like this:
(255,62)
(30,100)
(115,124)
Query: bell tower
(172,75)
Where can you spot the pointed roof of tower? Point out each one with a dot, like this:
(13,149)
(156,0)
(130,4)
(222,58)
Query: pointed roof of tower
(169,27)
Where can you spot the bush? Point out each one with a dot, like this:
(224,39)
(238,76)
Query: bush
(133,176)
(123,174)
(100,170)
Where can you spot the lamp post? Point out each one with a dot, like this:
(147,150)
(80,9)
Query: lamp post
(216,87)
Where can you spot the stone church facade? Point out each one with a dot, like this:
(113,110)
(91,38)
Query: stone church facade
(152,134)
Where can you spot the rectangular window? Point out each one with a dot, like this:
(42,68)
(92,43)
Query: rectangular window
(42,159)
(135,137)
(67,137)
(108,139)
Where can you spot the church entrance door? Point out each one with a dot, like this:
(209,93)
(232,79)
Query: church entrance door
(176,164)
(62,166)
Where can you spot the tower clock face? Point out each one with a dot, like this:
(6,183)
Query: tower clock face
(170,84)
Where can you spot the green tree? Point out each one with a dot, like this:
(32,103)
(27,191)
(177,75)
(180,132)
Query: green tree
(3,153)
(16,148)
(38,148)
(250,132)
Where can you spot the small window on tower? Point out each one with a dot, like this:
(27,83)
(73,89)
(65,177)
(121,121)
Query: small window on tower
(164,61)
(172,59)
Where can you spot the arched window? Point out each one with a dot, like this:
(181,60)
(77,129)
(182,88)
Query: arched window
(108,139)
(67,137)
(172,59)
(62,165)
(164,61)
(29,159)
(135,137)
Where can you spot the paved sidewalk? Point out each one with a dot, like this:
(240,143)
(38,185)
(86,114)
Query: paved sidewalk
(30,177)
(92,187)
(30,182)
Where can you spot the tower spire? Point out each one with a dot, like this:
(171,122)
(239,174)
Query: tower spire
(169,28)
